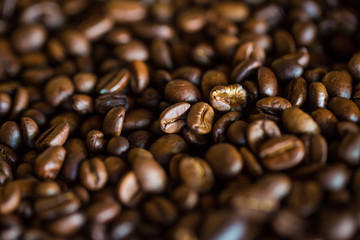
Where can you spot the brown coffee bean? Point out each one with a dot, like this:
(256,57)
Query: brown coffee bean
(259,131)
(233,11)
(200,118)
(353,66)
(5,104)
(93,174)
(318,95)
(128,190)
(337,224)
(346,127)
(282,153)
(48,163)
(349,150)
(29,37)
(116,168)
(126,11)
(297,92)
(5,172)
(10,135)
(326,121)
(20,102)
(131,51)
(139,76)
(58,89)
(284,43)
(304,32)
(249,50)
(30,131)
(172,119)
(82,103)
(95,26)
(195,173)
(117,146)
(102,212)
(273,105)
(84,82)
(166,146)
(67,225)
(106,102)
(181,91)
(75,42)
(203,54)
(224,159)
(47,189)
(191,74)
(54,136)
(161,55)
(267,82)
(244,69)
(113,121)
(333,177)
(10,198)
(95,142)
(230,97)
(221,125)
(251,164)
(226,45)
(185,197)
(137,119)
(345,109)
(160,210)
(338,84)
(212,79)
(298,122)
(151,176)
(114,81)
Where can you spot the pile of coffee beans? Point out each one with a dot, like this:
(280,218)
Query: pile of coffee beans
(179,119)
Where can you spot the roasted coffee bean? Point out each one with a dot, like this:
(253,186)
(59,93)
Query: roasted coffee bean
(10,135)
(106,102)
(244,69)
(249,50)
(117,146)
(181,91)
(349,150)
(113,121)
(191,74)
(172,119)
(344,109)
(296,92)
(116,168)
(95,142)
(5,104)
(282,152)
(212,79)
(10,198)
(267,82)
(284,43)
(185,197)
(233,11)
(131,51)
(84,82)
(353,66)
(334,177)
(332,222)
(251,164)
(48,163)
(224,159)
(112,82)
(236,132)
(338,84)
(346,127)
(200,118)
(54,136)
(273,105)
(166,146)
(259,131)
(137,119)
(221,126)
(30,131)
(226,98)
(318,95)
(326,121)
(47,189)
(29,37)
(58,89)
(128,190)
(20,102)
(298,122)
(5,172)
(160,210)
(93,174)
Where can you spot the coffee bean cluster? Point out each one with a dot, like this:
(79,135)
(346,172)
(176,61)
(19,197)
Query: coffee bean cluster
(179,119)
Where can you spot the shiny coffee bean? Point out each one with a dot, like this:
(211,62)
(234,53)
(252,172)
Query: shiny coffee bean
(338,84)
(93,174)
(298,122)
(54,136)
(200,118)
(172,119)
(230,97)
(48,163)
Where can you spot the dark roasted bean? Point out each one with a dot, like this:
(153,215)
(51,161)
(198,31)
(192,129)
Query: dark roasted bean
(113,121)
(54,136)
(244,69)
(338,83)
(344,109)
(267,82)
(58,89)
(259,131)
(273,105)
(114,81)
(106,102)
(48,163)
(172,119)
(93,174)
(181,91)
(298,122)
(200,118)
(297,92)
(230,97)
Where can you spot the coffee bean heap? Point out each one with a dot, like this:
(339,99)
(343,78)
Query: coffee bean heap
(179,119)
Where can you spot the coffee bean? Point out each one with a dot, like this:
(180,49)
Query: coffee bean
(224,159)
(244,69)
(348,150)
(58,89)
(273,105)
(251,164)
(200,118)
(54,136)
(191,74)
(212,79)
(48,163)
(282,152)
(128,190)
(315,75)
(233,11)
(67,225)
(326,121)
(10,135)
(267,82)
(249,50)
(181,91)
(284,42)
(160,210)
(344,109)
(127,11)
(226,98)
(334,177)
(131,51)
(102,212)
(117,146)
(353,66)
(5,172)
(236,132)
(114,81)
(30,131)
(75,42)
(29,37)
(137,119)
(106,102)
(332,224)
(95,142)
(338,84)
(20,102)
(318,95)
(94,26)
(298,122)
(259,131)
(296,92)
(113,121)
(93,174)
(185,197)
(5,104)
(10,198)
(221,126)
